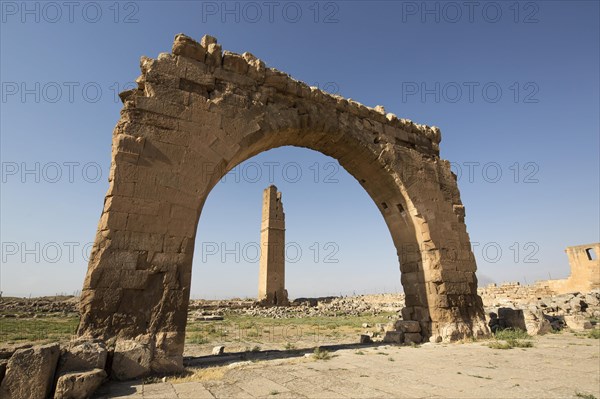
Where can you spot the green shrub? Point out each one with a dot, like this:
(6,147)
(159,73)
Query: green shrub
(511,338)
(321,354)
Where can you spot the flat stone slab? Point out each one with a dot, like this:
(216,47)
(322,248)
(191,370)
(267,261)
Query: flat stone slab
(208,318)
(558,366)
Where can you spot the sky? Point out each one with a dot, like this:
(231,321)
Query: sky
(514,87)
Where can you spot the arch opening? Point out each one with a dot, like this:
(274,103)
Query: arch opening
(333,229)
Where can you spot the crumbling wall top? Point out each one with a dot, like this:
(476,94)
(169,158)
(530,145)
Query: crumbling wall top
(247,71)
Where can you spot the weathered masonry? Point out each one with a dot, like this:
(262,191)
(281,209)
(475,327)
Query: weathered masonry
(197,113)
(271,277)
(585,270)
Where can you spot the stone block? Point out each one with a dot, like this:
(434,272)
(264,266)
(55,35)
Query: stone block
(132,358)
(408,326)
(365,339)
(276,79)
(30,373)
(391,326)
(160,107)
(207,40)
(393,337)
(82,354)
(187,47)
(79,384)
(536,323)
(218,350)
(213,55)
(412,338)
(578,322)
(511,318)
(235,63)
(233,77)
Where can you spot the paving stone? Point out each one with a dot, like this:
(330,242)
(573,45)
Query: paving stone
(192,390)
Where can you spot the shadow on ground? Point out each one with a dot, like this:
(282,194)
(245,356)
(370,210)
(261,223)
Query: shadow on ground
(228,358)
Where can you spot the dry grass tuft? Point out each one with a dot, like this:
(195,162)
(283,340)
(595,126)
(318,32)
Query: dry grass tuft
(196,375)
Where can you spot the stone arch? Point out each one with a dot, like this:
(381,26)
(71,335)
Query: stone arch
(196,114)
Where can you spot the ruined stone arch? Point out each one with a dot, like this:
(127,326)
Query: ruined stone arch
(196,114)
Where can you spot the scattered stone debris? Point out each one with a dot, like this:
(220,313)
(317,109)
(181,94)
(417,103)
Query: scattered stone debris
(56,306)
(77,368)
(210,317)
(75,372)
(303,307)
(516,306)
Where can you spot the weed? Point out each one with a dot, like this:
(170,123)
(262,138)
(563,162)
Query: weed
(511,338)
(511,334)
(479,376)
(595,334)
(321,354)
(290,346)
(196,338)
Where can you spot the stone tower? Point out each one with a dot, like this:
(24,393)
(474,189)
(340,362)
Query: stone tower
(271,279)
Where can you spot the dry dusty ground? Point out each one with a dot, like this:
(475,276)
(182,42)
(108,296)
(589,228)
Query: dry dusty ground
(557,366)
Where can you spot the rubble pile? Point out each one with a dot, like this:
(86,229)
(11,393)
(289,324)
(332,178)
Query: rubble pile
(304,307)
(55,306)
(533,309)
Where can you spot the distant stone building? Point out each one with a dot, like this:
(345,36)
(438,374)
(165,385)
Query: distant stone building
(585,270)
(271,280)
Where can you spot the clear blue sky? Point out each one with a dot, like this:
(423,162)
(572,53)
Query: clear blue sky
(514,87)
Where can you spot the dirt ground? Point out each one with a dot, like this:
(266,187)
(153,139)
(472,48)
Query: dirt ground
(266,357)
(562,365)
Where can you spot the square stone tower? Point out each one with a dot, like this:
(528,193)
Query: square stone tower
(271,279)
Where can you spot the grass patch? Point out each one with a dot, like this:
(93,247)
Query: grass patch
(511,338)
(499,345)
(196,338)
(594,334)
(359,353)
(249,330)
(321,354)
(511,334)
(196,375)
(391,359)
(290,346)
(255,348)
(510,344)
(521,344)
(51,329)
(584,395)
